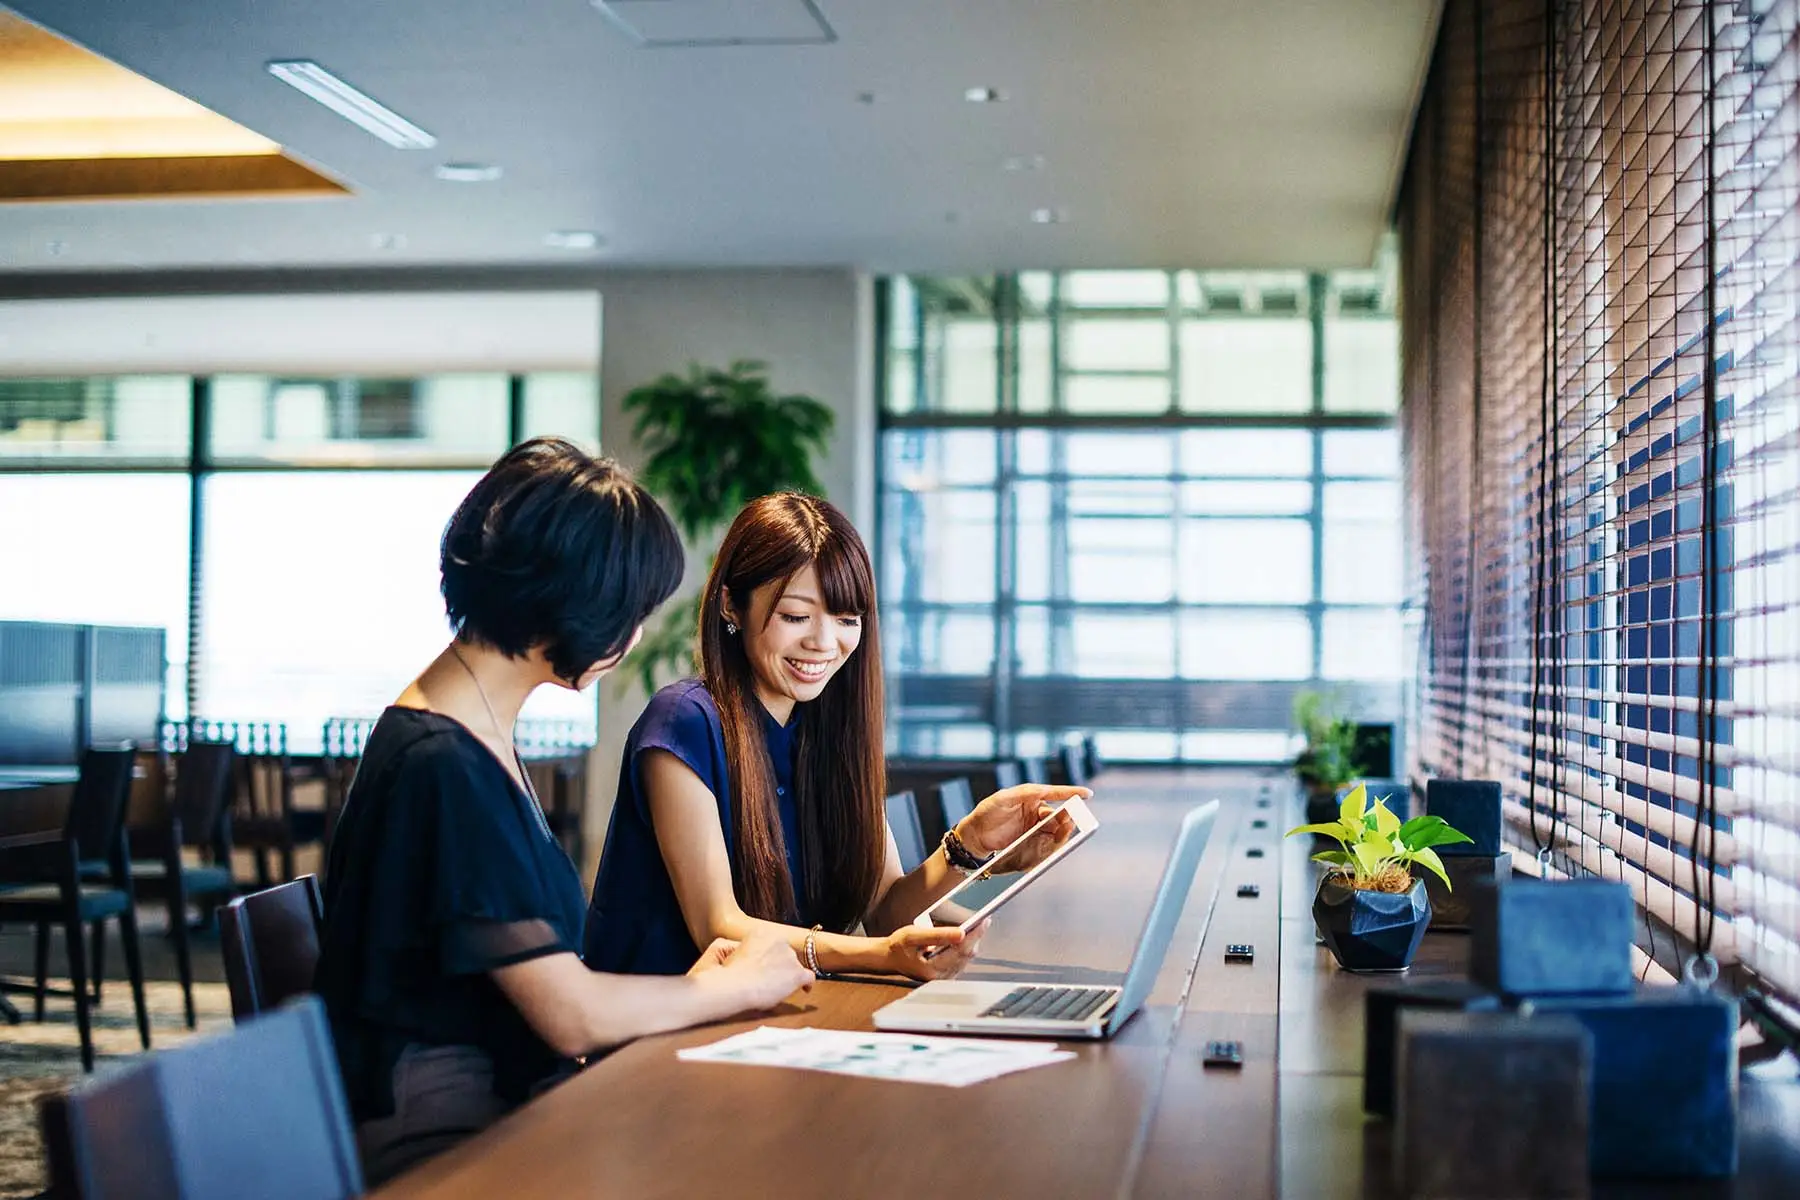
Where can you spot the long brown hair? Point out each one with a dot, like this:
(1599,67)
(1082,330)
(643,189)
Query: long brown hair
(839,768)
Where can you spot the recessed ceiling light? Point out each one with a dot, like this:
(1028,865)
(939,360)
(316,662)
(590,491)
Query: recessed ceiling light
(1048,216)
(388,241)
(314,81)
(1019,163)
(865,97)
(464,172)
(56,249)
(572,239)
(983,95)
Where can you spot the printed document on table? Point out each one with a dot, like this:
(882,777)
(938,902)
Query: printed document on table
(951,1062)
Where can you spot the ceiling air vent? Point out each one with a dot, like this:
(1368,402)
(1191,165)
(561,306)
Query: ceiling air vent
(697,24)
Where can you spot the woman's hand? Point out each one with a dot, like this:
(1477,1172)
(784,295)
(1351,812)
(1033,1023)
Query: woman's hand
(1004,816)
(950,950)
(759,972)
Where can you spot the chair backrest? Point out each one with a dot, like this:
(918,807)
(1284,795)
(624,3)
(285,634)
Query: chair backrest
(97,809)
(1074,764)
(202,788)
(1007,774)
(1090,750)
(903,819)
(954,799)
(256,1111)
(1034,768)
(270,943)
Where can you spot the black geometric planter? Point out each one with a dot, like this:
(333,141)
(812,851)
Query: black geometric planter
(1371,931)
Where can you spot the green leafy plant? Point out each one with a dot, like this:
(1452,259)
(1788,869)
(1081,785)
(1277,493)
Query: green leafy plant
(1376,849)
(715,440)
(1329,760)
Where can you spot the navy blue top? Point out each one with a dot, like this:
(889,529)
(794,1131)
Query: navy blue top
(634,924)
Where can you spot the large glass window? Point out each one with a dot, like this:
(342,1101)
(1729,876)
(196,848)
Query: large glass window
(100,549)
(137,418)
(1171,523)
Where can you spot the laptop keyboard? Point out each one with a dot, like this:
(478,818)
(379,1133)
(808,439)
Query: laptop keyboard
(1048,1003)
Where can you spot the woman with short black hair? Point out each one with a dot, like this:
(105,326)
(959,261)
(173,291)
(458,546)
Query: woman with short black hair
(452,916)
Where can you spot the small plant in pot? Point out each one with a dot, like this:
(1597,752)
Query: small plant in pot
(1328,761)
(1370,910)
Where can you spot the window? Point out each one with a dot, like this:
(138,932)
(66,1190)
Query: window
(100,549)
(351,421)
(142,419)
(1156,524)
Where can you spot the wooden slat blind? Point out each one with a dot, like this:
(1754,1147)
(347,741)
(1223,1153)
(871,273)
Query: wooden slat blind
(1601,263)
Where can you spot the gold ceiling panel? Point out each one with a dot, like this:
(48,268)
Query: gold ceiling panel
(75,126)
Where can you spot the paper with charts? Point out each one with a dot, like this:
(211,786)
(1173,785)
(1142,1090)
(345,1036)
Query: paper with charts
(951,1062)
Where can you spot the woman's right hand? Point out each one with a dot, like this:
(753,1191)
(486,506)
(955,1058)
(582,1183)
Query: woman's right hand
(907,945)
(759,972)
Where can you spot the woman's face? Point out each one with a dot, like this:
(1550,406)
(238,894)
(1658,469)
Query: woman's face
(794,645)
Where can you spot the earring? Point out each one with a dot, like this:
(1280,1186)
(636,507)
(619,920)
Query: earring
(730,628)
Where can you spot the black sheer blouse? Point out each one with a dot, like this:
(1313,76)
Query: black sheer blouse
(441,869)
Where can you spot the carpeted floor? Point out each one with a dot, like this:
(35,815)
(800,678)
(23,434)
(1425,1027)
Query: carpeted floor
(37,1058)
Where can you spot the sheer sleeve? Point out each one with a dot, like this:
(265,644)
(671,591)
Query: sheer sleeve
(489,902)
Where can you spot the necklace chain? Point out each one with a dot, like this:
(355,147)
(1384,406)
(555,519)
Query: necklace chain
(524,775)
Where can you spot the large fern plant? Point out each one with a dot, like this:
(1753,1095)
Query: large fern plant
(716,439)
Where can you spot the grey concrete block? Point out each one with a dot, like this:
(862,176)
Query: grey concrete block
(1453,907)
(1537,937)
(1491,1106)
(1381,1021)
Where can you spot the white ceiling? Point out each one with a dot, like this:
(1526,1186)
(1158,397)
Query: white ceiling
(1209,133)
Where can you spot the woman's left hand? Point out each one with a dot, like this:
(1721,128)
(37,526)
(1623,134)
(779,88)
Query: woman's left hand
(1004,816)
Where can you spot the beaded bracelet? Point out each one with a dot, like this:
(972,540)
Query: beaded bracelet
(812,956)
(960,856)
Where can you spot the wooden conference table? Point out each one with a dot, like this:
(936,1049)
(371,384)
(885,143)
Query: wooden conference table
(1138,1116)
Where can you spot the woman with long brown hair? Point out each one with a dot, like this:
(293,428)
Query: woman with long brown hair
(751,799)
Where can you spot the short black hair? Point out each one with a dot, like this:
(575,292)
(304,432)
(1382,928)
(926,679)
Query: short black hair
(557,548)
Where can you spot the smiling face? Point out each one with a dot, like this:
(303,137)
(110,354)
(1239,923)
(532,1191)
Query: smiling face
(794,644)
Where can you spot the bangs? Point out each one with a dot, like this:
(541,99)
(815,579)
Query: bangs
(845,577)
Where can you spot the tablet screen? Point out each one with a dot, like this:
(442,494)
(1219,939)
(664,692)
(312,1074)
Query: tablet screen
(1011,870)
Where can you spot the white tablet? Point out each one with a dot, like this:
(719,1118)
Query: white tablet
(950,909)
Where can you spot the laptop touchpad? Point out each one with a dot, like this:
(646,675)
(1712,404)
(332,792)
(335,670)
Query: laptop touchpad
(948,994)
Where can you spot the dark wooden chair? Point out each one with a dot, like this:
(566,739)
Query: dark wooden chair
(909,836)
(259,1110)
(79,877)
(343,739)
(270,944)
(196,820)
(264,818)
(954,801)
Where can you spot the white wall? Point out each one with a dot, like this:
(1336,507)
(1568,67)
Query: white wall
(815,329)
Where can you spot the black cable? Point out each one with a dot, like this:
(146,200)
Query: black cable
(1546,467)
(1706,812)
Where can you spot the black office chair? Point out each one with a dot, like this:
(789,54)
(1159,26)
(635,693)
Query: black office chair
(43,884)
(1034,768)
(270,943)
(197,820)
(256,1111)
(954,801)
(903,819)
(1072,763)
(1007,773)
(1091,753)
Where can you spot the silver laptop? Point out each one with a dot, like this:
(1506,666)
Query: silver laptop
(1062,1010)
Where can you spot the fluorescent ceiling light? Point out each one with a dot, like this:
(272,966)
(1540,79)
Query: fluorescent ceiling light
(983,95)
(458,172)
(314,81)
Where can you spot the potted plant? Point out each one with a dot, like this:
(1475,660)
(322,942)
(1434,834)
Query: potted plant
(1370,910)
(1328,761)
(715,440)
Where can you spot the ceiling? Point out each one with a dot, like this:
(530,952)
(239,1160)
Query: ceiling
(1206,133)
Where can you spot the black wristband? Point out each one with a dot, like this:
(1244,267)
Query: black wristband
(959,855)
